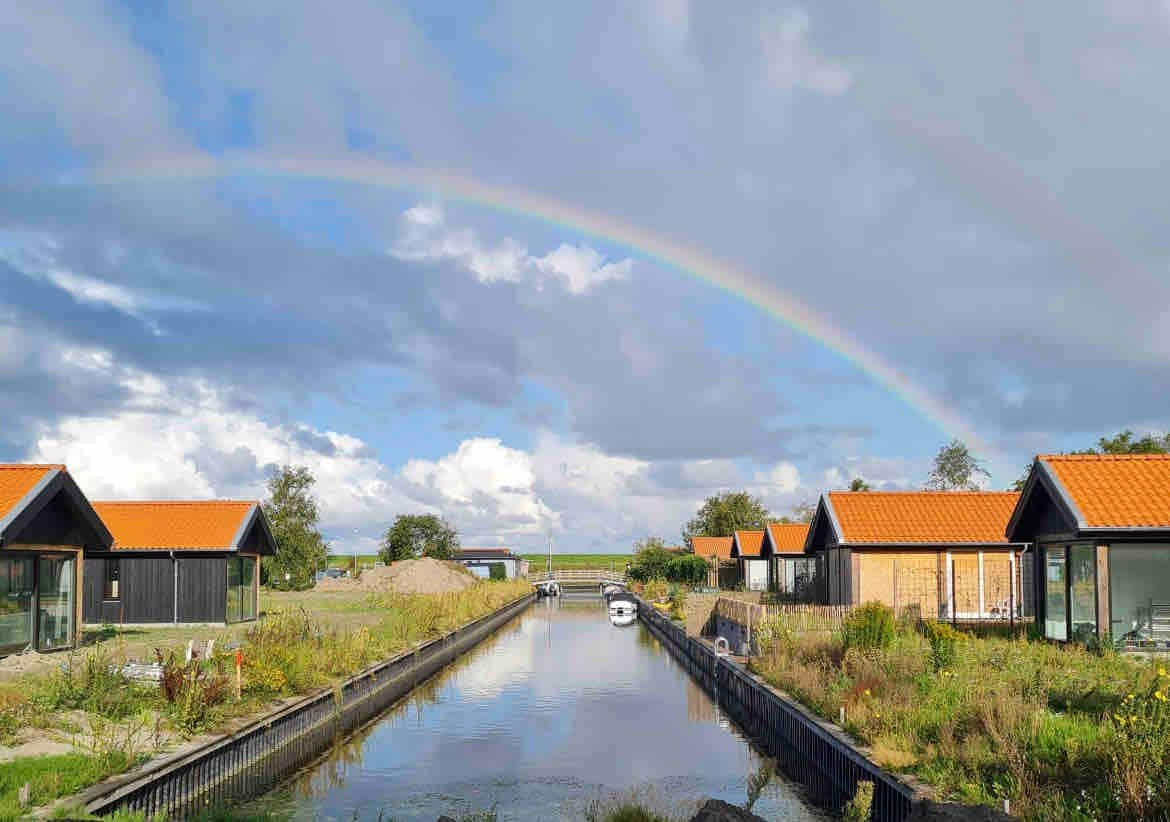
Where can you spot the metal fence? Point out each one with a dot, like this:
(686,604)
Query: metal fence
(253,759)
(812,751)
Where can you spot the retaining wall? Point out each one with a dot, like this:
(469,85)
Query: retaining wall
(251,760)
(812,751)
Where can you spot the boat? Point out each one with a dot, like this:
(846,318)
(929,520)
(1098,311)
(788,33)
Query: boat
(623,609)
(549,588)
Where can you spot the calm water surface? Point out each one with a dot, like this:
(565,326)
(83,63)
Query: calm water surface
(557,710)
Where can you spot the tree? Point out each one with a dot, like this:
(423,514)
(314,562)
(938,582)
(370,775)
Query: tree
(724,514)
(955,469)
(415,535)
(650,560)
(859,484)
(1124,443)
(292,514)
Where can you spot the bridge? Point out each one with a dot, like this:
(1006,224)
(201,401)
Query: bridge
(579,577)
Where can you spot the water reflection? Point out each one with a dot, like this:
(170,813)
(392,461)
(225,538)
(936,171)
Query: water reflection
(555,711)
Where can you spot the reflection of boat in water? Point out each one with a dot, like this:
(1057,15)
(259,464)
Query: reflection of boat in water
(550,588)
(623,609)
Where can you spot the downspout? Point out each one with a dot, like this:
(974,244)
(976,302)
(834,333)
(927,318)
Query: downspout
(175,599)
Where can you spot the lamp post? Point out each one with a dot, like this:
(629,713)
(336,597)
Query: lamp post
(355,553)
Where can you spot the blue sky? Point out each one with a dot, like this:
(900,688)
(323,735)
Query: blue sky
(977,196)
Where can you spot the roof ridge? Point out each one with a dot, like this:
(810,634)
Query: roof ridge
(923,492)
(31,466)
(174,502)
(1102,457)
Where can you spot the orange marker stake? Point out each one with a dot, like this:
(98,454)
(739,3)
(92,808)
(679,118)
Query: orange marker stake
(239,674)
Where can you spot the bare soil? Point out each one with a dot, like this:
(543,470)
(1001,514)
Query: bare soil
(408,576)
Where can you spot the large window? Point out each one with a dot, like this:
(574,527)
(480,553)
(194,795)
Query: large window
(56,602)
(1055,605)
(1139,594)
(241,588)
(16,603)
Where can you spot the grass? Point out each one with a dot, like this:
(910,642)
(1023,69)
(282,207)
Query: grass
(49,778)
(1061,732)
(539,562)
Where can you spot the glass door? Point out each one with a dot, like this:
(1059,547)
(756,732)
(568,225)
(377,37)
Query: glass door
(1082,591)
(56,602)
(233,589)
(1055,604)
(16,603)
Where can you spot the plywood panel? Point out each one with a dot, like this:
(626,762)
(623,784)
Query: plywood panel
(966,581)
(997,584)
(901,580)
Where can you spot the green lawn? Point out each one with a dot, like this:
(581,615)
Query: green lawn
(567,561)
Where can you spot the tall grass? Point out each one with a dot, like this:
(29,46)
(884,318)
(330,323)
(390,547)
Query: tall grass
(1061,732)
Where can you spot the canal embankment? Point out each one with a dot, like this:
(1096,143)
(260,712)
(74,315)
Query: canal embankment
(1051,731)
(242,763)
(817,753)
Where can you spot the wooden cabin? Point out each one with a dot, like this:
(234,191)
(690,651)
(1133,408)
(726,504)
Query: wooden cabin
(480,561)
(793,572)
(942,554)
(45,525)
(748,550)
(723,570)
(177,562)
(1101,527)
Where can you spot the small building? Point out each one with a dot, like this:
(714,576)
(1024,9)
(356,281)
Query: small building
(749,551)
(723,572)
(793,573)
(1101,527)
(178,562)
(46,523)
(941,553)
(480,560)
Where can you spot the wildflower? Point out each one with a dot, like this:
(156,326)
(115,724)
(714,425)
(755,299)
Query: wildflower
(867,692)
(1162,671)
(1158,695)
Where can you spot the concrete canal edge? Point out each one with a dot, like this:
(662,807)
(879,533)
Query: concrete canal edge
(816,753)
(247,761)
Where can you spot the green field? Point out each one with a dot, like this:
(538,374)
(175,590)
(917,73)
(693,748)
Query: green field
(538,562)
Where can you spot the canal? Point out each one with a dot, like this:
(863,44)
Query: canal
(557,711)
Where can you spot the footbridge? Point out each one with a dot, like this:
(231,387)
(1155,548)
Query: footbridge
(580,578)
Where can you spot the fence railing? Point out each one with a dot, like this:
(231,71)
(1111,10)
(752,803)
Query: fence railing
(593,575)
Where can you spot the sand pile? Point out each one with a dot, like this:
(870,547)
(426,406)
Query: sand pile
(408,576)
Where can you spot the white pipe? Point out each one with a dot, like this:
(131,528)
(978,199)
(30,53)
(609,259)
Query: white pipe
(175,573)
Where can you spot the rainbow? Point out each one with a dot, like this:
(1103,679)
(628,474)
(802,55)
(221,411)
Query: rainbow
(366,171)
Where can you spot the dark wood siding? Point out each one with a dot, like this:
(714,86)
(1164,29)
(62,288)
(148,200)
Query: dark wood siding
(147,589)
(202,588)
(94,572)
(56,524)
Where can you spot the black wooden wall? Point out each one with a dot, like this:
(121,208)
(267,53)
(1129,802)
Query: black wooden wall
(146,589)
(202,588)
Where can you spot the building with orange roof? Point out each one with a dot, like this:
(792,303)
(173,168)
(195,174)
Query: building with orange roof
(943,554)
(46,523)
(177,562)
(748,550)
(724,571)
(793,572)
(1101,526)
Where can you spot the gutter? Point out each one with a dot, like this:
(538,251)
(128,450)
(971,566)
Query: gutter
(175,598)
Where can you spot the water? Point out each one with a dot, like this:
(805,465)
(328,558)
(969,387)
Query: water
(558,710)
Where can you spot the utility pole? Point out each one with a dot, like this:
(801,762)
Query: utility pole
(550,555)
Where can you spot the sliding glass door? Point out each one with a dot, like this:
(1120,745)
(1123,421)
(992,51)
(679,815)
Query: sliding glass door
(1055,602)
(16,603)
(241,588)
(56,603)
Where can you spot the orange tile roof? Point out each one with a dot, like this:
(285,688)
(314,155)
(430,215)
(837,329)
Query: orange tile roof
(17,480)
(750,542)
(1116,490)
(923,517)
(788,537)
(208,524)
(712,547)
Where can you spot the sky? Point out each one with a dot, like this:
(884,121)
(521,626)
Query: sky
(562,271)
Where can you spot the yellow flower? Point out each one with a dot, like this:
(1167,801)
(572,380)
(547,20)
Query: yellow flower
(1129,697)
(876,715)
(867,692)
(1162,671)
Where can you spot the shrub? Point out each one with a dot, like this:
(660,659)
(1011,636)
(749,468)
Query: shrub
(944,643)
(869,627)
(191,692)
(687,569)
(860,806)
(497,572)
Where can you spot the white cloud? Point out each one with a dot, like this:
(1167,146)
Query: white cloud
(792,64)
(488,487)
(425,236)
(782,478)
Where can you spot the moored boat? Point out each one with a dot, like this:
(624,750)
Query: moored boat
(623,609)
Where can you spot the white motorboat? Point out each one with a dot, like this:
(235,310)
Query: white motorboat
(549,588)
(623,609)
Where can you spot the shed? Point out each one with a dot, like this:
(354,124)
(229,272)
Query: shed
(941,553)
(45,525)
(178,562)
(1101,526)
(754,558)
(724,571)
(793,573)
(480,560)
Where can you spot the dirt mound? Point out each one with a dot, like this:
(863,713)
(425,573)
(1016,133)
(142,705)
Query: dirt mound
(408,576)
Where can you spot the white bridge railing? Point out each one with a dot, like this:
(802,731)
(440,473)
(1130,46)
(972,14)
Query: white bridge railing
(595,576)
